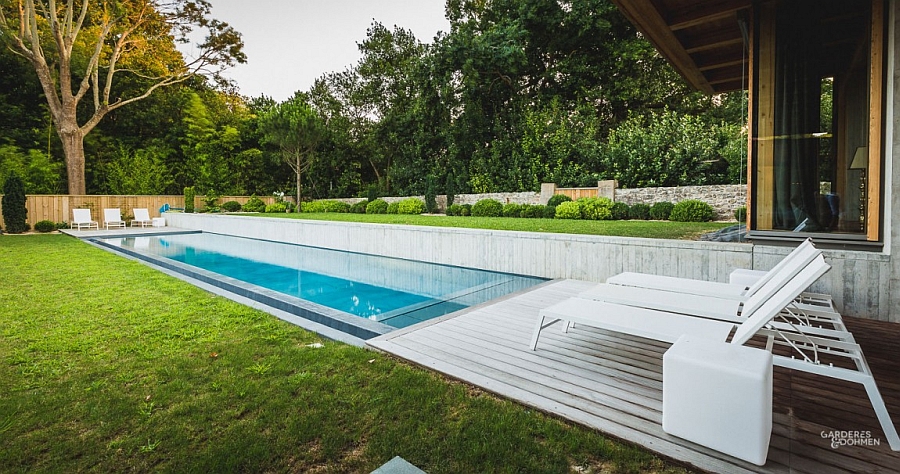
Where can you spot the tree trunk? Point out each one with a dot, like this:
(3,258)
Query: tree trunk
(73,147)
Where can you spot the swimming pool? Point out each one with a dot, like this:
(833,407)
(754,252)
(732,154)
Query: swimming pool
(383,291)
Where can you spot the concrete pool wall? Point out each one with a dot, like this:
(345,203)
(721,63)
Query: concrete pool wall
(859,281)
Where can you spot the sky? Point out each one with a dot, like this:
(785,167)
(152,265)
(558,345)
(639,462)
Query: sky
(291,43)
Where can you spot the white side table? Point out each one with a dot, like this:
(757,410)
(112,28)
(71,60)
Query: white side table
(719,395)
(159,222)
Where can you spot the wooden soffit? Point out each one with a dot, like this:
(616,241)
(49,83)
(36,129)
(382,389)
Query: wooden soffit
(703,39)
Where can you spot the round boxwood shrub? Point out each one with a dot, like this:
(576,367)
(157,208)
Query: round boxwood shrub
(454,210)
(740,214)
(411,206)
(254,204)
(358,207)
(532,211)
(231,206)
(276,207)
(15,214)
(393,208)
(62,225)
(487,208)
(620,211)
(549,212)
(45,226)
(558,199)
(378,206)
(595,209)
(639,211)
(661,211)
(568,210)
(466,210)
(512,210)
(692,210)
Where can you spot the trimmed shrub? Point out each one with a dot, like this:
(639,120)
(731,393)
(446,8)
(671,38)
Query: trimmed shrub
(356,208)
(558,199)
(549,212)
(595,209)
(393,208)
(411,206)
(512,210)
(487,208)
(692,210)
(661,211)
(254,204)
(15,214)
(231,206)
(371,192)
(211,201)
(430,194)
(466,210)
(276,207)
(454,210)
(62,225)
(378,206)
(189,195)
(45,226)
(639,211)
(740,214)
(568,210)
(533,211)
(620,211)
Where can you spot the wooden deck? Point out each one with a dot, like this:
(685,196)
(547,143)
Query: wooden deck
(613,383)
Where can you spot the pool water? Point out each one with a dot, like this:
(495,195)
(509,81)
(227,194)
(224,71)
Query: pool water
(391,291)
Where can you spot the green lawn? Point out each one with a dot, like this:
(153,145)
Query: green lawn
(649,229)
(107,366)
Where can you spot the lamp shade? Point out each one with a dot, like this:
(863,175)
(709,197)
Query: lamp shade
(860,159)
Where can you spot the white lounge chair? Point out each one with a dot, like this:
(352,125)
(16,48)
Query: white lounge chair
(142,217)
(81,219)
(668,327)
(113,218)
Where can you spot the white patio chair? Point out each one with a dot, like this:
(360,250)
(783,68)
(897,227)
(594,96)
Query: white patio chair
(668,327)
(113,218)
(142,217)
(81,219)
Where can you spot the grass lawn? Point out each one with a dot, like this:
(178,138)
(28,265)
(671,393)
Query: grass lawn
(650,229)
(107,366)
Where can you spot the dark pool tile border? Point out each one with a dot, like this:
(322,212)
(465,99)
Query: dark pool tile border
(338,320)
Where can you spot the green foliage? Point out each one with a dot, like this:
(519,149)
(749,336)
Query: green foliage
(430,194)
(512,210)
(660,211)
(466,210)
(692,210)
(639,211)
(620,211)
(359,207)
(558,199)
(378,206)
(62,225)
(138,172)
(740,214)
(595,209)
(394,207)
(532,211)
(329,205)
(568,210)
(189,195)
(411,206)
(549,212)
(372,192)
(277,207)
(254,204)
(487,208)
(231,206)
(45,226)
(454,210)
(211,201)
(38,173)
(15,214)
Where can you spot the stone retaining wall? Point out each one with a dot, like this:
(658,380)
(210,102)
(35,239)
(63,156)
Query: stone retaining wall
(724,199)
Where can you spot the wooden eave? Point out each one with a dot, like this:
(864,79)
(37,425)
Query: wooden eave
(702,39)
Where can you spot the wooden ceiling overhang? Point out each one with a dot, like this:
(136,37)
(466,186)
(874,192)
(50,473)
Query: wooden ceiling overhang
(702,39)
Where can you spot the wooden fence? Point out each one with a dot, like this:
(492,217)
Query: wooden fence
(578,193)
(58,207)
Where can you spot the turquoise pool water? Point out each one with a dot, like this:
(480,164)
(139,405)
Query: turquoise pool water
(391,291)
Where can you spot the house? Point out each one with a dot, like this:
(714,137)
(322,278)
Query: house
(823,155)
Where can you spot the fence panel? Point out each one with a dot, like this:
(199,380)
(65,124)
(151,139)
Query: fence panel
(58,207)
(578,193)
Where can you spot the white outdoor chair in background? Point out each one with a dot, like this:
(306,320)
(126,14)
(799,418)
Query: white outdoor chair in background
(141,217)
(81,219)
(113,218)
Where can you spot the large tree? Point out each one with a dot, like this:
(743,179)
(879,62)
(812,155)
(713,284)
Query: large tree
(78,48)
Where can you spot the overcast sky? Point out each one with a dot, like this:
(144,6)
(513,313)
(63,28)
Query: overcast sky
(290,43)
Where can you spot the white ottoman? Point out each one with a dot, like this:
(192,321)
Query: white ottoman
(159,222)
(719,395)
